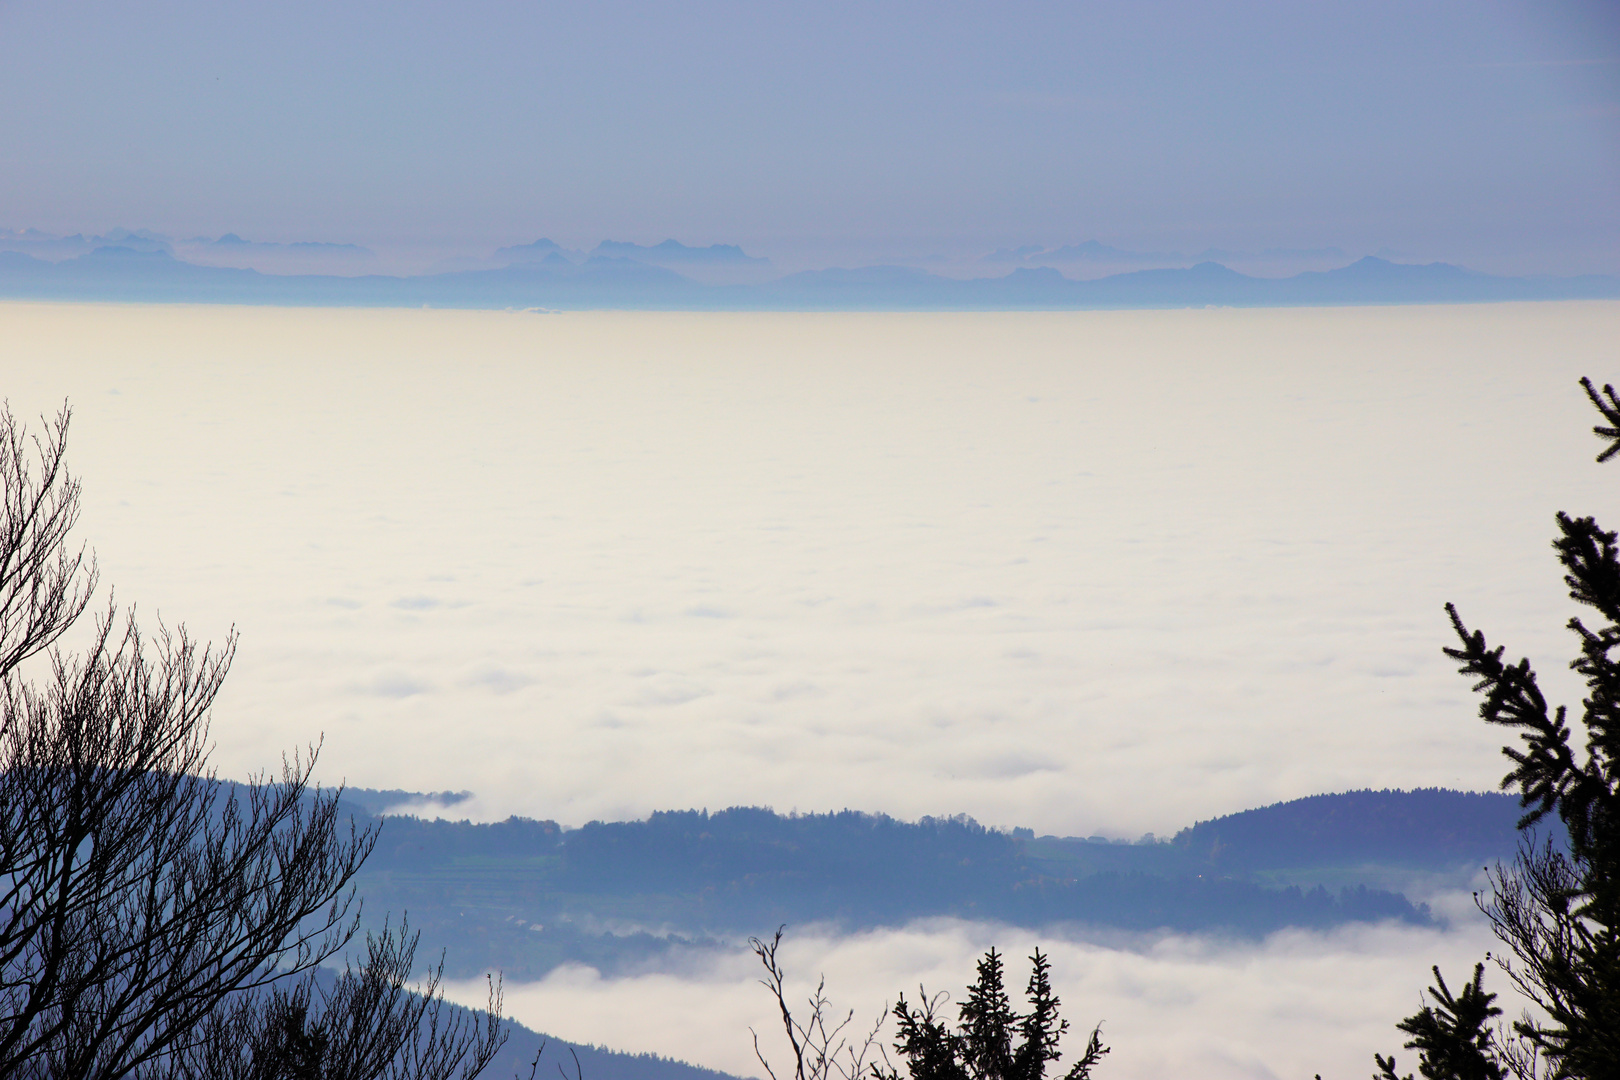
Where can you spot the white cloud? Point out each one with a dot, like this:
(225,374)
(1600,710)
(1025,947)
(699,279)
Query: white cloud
(1297,1004)
(826,561)
(838,561)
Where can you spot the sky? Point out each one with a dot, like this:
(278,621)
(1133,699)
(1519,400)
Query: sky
(1481,133)
(1089,573)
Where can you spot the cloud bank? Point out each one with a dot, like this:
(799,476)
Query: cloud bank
(1099,573)
(1296,1005)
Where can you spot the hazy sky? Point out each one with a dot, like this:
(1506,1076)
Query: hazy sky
(1484,133)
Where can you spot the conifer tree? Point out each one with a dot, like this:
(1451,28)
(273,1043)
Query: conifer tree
(1557,909)
(991,1041)
(1454,1037)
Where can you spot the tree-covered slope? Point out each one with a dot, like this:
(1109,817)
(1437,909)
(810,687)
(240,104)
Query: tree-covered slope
(523,896)
(1430,828)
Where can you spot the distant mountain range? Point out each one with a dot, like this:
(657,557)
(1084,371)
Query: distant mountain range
(668,253)
(616,275)
(231,240)
(34,241)
(1094,251)
(674,253)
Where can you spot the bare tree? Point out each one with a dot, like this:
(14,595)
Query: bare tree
(44,584)
(144,903)
(362,1023)
(821,1049)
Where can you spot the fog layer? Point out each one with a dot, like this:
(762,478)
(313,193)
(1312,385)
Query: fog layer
(1093,572)
(1299,1004)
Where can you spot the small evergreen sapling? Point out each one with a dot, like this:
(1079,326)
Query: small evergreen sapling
(991,1040)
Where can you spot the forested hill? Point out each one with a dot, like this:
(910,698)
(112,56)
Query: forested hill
(1431,829)
(807,852)
(1428,828)
(524,895)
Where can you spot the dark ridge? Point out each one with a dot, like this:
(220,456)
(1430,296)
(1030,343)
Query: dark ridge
(1430,827)
(524,896)
(595,1062)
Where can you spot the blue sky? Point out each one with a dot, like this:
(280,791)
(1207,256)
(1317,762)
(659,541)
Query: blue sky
(1481,133)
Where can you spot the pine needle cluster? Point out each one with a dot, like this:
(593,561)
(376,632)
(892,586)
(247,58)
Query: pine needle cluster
(1557,907)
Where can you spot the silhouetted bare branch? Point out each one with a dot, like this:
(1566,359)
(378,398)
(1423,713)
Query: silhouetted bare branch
(152,916)
(820,1048)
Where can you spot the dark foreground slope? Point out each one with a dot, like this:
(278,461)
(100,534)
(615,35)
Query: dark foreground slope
(522,896)
(517,1058)
(524,1048)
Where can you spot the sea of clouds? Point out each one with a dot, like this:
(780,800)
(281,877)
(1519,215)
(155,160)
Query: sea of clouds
(1083,572)
(1295,1005)
(1090,573)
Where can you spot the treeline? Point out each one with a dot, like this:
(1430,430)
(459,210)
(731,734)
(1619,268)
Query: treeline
(1428,828)
(535,889)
